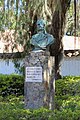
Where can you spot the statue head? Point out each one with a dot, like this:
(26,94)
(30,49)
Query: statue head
(41,25)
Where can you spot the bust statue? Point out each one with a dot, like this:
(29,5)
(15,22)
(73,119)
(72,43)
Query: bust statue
(42,39)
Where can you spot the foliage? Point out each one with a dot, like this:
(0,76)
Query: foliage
(14,16)
(11,84)
(69,85)
(68,93)
(67,102)
(21,16)
(71,21)
(12,108)
(19,66)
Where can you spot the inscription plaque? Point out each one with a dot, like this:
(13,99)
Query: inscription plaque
(33,74)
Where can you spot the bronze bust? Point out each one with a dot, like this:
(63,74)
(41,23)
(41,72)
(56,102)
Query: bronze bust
(42,39)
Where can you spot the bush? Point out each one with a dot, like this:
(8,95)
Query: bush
(67,94)
(11,84)
(14,110)
(67,101)
(69,85)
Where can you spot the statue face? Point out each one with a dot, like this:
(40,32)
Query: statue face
(40,25)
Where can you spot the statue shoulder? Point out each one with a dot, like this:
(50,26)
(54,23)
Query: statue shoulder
(35,36)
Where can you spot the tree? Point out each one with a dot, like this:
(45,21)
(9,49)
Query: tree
(53,11)
(58,24)
(23,14)
(72,26)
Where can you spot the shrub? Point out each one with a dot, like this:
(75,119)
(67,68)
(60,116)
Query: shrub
(13,110)
(67,101)
(67,94)
(69,85)
(11,84)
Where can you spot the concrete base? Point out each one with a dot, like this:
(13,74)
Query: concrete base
(38,94)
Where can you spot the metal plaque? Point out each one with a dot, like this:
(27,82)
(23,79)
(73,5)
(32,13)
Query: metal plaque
(33,74)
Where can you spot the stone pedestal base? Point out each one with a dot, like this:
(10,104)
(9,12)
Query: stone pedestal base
(39,93)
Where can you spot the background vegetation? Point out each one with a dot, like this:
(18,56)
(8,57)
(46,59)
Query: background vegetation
(20,16)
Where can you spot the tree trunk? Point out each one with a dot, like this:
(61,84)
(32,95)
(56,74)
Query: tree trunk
(58,22)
